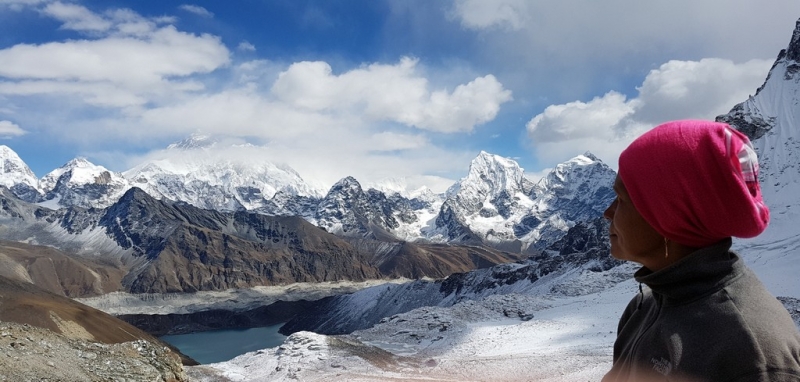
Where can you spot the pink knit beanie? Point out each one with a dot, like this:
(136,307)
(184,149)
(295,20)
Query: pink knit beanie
(695,182)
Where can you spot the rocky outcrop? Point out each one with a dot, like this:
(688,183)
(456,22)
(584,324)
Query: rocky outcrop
(44,335)
(29,353)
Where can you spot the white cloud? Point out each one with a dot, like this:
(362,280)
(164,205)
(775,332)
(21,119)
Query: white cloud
(698,89)
(246,47)
(76,17)
(577,120)
(135,62)
(480,14)
(196,9)
(389,141)
(9,129)
(392,93)
(18,5)
(125,60)
(676,90)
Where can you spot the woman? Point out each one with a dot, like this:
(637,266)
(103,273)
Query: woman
(683,190)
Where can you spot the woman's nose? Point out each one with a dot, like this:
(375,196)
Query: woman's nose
(609,212)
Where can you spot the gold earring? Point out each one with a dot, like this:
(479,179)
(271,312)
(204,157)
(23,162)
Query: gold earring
(666,248)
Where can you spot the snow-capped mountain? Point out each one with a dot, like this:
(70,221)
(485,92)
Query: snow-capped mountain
(349,210)
(83,184)
(17,176)
(197,171)
(158,246)
(485,202)
(770,118)
(496,203)
(576,190)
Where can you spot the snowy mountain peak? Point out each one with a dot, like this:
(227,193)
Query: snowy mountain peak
(17,176)
(82,183)
(195,141)
(13,169)
(486,162)
(793,51)
(591,156)
(49,181)
(574,170)
(489,175)
(349,180)
(79,162)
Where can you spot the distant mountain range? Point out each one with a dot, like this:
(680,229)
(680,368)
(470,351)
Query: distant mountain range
(195,220)
(494,205)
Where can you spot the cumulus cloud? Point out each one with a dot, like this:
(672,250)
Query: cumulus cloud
(676,90)
(9,129)
(132,61)
(392,93)
(197,10)
(123,60)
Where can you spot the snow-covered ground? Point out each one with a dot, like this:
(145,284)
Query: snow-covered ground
(500,338)
(564,335)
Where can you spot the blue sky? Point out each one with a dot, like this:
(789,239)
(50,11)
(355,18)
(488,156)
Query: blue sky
(372,88)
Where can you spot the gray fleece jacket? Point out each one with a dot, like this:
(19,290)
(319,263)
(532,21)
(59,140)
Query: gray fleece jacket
(705,318)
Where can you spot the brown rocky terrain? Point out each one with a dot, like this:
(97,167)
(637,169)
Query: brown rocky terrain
(28,353)
(290,250)
(415,261)
(57,272)
(51,337)
(144,245)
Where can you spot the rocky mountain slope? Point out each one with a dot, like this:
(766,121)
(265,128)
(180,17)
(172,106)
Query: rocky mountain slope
(165,247)
(47,336)
(771,118)
(57,272)
(34,354)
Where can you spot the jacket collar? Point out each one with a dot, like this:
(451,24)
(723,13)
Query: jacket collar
(701,273)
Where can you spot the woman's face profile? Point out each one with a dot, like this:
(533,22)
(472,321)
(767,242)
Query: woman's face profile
(631,237)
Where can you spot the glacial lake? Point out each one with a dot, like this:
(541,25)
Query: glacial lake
(223,345)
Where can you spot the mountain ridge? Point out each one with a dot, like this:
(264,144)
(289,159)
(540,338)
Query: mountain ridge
(489,206)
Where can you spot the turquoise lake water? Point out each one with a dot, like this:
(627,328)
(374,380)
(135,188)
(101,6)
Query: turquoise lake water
(222,345)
